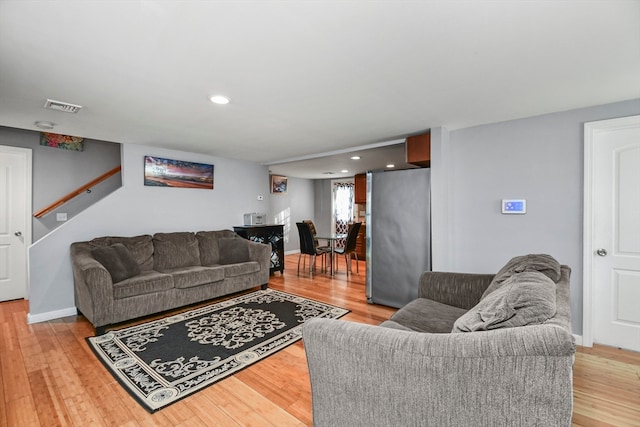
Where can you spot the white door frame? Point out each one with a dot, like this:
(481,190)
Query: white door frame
(28,186)
(588,247)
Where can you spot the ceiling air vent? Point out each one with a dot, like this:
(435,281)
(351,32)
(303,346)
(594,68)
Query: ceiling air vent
(62,106)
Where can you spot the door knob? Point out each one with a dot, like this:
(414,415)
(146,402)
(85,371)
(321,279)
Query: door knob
(18,233)
(601,252)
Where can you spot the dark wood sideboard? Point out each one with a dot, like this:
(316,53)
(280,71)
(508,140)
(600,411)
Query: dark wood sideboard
(269,234)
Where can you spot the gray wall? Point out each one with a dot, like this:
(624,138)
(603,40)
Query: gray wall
(135,209)
(539,159)
(58,172)
(295,206)
(322,210)
(441,255)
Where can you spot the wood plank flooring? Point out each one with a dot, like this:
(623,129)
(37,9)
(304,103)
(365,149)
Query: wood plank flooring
(50,377)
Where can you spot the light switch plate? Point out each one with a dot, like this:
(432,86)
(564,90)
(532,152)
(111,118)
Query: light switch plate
(514,206)
(61,216)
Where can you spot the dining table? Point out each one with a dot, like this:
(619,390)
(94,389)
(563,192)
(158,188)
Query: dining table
(331,239)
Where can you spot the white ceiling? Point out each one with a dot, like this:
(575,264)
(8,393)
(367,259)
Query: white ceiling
(333,164)
(307,77)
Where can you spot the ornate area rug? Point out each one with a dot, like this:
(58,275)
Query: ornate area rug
(166,360)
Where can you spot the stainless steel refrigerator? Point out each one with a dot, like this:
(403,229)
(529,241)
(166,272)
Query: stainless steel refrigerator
(398,237)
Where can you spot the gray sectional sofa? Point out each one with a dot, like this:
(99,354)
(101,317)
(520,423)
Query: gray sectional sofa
(472,350)
(122,278)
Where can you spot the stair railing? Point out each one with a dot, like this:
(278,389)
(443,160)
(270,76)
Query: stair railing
(77,192)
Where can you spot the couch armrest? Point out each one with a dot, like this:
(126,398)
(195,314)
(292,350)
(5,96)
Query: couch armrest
(461,290)
(261,253)
(363,375)
(92,285)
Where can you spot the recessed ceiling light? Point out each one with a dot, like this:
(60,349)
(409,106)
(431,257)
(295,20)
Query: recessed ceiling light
(344,171)
(355,157)
(219,99)
(44,125)
(391,165)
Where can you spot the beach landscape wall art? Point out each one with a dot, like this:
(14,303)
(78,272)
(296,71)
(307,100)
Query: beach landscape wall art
(159,172)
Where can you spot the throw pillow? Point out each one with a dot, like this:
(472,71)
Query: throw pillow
(117,260)
(233,250)
(141,248)
(546,264)
(527,298)
(208,244)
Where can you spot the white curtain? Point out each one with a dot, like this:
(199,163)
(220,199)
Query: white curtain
(343,207)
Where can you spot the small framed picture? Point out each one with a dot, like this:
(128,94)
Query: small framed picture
(278,184)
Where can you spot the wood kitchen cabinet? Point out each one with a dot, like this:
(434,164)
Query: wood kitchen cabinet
(418,149)
(360,188)
(361,243)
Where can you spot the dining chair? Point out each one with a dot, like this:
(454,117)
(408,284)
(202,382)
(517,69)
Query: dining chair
(314,232)
(308,247)
(350,247)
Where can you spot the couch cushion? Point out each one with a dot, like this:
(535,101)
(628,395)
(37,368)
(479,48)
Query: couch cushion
(232,270)
(527,298)
(175,250)
(208,245)
(189,277)
(146,282)
(141,248)
(425,315)
(117,260)
(233,250)
(543,263)
(395,325)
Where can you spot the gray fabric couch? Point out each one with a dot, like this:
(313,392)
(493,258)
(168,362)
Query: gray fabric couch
(472,350)
(122,278)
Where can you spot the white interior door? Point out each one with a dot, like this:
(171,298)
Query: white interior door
(15,230)
(614,246)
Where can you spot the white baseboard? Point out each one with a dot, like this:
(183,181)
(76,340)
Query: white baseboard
(50,315)
(578,339)
(295,251)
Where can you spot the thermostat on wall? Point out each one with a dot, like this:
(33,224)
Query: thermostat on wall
(511,206)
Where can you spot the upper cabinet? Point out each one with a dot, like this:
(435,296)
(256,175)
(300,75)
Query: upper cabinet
(360,190)
(418,149)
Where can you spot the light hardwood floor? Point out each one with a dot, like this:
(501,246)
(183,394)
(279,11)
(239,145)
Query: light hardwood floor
(50,377)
